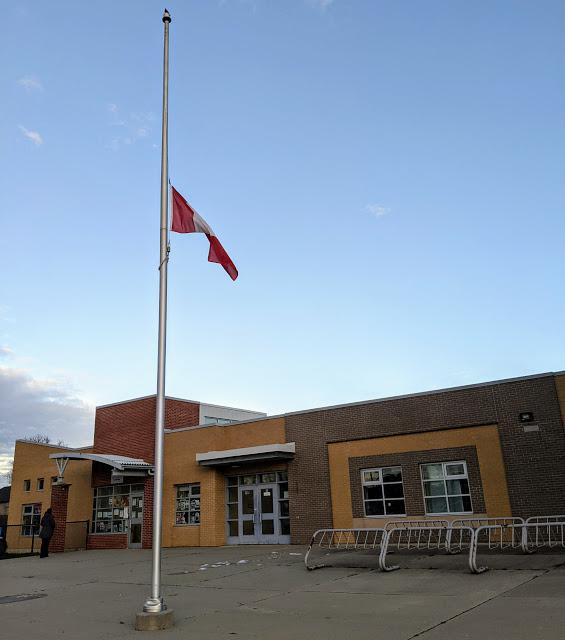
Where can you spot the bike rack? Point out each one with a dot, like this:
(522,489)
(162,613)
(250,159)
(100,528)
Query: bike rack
(343,540)
(497,534)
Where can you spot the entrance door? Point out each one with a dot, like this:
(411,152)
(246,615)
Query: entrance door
(257,509)
(267,517)
(135,521)
(258,514)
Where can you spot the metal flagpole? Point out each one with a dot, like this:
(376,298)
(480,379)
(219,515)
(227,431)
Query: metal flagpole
(155,603)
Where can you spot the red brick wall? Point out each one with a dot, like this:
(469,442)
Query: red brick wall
(128,428)
(147,529)
(59,501)
(111,541)
(101,474)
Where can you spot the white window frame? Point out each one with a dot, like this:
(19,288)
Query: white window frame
(31,527)
(379,482)
(27,483)
(42,481)
(194,491)
(444,479)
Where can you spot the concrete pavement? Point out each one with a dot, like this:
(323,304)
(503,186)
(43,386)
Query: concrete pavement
(265,592)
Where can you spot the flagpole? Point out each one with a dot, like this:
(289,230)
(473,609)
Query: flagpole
(155,604)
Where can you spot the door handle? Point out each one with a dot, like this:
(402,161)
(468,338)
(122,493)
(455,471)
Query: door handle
(256,514)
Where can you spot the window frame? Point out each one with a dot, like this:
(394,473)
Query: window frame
(34,522)
(379,482)
(192,495)
(445,477)
(42,481)
(27,485)
(119,510)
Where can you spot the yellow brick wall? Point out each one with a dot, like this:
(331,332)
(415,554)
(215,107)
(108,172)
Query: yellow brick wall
(484,438)
(31,461)
(181,467)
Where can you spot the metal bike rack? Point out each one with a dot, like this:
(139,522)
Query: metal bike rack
(544,532)
(472,534)
(455,536)
(408,535)
(330,540)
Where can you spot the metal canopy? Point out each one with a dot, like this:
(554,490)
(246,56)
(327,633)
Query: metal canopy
(120,463)
(266,452)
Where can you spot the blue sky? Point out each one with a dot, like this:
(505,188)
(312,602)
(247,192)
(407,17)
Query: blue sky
(387,177)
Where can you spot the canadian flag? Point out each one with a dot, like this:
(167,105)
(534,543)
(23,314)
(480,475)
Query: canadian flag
(187,220)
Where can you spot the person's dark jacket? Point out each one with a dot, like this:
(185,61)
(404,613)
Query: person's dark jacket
(47,526)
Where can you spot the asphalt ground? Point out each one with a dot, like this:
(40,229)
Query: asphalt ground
(266,592)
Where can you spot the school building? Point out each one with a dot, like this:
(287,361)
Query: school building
(239,477)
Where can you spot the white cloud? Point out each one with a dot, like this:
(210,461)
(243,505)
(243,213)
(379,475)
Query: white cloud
(377,210)
(34,136)
(5,352)
(320,4)
(135,126)
(31,405)
(30,83)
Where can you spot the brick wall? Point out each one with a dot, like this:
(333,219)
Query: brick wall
(411,479)
(59,502)
(128,428)
(111,541)
(535,462)
(147,528)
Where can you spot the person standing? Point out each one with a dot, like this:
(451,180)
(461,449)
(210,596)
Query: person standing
(46,532)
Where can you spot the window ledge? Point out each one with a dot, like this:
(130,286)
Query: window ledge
(109,533)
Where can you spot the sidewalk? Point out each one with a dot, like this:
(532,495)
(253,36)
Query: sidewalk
(265,592)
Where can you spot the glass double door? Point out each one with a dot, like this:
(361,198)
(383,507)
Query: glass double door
(258,514)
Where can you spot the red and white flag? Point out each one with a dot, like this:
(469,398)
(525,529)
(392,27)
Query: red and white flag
(187,220)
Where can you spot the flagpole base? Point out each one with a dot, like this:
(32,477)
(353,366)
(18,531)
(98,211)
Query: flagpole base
(154,621)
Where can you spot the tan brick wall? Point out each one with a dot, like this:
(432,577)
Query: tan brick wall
(31,461)
(485,439)
(181,467)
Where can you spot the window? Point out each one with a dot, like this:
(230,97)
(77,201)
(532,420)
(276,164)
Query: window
(111,508)
(40,483)
(27,485)
(188,504)
(220,421)
(446,488)
(31,516)
(383,492)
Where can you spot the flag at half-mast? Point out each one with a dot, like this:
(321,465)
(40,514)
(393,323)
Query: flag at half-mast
(187,220)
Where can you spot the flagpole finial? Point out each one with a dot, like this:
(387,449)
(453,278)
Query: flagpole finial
(166,16)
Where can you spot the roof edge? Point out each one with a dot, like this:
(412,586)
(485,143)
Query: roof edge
(198,402)
(476,385)
(54,446)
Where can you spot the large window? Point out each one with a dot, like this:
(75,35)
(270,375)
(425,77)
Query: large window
(188,504)
(220,421)
(383,492)
(446,488)
(111,508)
(31,517)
